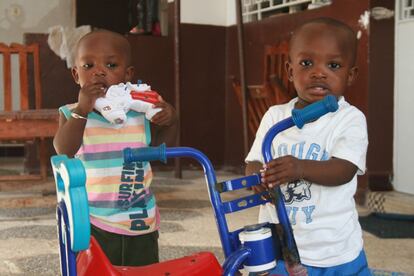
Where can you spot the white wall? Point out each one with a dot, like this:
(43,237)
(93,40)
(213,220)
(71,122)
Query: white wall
(208,12)
(231,12)
(404,107)
(33,16)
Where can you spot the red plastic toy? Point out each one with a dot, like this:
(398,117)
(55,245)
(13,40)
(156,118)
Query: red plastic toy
(93,261)
(146,96)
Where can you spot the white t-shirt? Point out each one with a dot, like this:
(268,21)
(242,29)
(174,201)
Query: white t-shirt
(324,219)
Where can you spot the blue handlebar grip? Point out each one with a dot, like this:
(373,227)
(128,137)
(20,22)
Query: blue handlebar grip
(314,111)
(145,154)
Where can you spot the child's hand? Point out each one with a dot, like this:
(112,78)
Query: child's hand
(258,189)
(282,170)
(87,97)
(166,116)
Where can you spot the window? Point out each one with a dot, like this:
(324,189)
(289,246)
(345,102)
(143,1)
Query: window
(254,10)
(406,10)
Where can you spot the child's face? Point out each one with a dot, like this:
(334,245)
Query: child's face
(101,59)
(320,63)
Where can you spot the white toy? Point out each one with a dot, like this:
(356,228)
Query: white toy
(122,97)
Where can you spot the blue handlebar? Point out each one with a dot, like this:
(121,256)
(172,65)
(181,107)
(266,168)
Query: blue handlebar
(314,111)
(299,118)
(145,154)
(162,153)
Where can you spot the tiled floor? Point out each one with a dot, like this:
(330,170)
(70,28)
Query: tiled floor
(193,230)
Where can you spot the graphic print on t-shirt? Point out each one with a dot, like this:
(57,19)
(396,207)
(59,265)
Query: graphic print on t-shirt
(298,190)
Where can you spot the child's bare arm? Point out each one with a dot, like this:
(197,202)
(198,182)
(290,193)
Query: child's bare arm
(332,172)
(69,136)
(164,125)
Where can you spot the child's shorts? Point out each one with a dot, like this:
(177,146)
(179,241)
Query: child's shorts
(357,267)
(128,250)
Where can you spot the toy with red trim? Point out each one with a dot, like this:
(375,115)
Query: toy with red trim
(121,98)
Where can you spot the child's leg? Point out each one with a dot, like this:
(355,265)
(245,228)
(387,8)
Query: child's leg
(128,250)
(140,250)
(110,243)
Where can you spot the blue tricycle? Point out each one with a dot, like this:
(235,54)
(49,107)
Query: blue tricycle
(256,247)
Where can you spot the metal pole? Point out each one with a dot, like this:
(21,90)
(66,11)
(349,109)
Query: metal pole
(177,19)
(240,39)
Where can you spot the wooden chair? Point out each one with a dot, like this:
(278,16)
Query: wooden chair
(30,121)
(259,99)
(275,89)
(275,74)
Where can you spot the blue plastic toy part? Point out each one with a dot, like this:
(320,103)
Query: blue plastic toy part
(259,239)
(235,254)
(299,118)
(67,256)
(233,262)
(70,178)
(251,254)
(145,154)
(314,111)
(162,153)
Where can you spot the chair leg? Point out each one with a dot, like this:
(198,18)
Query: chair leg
(42,149)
